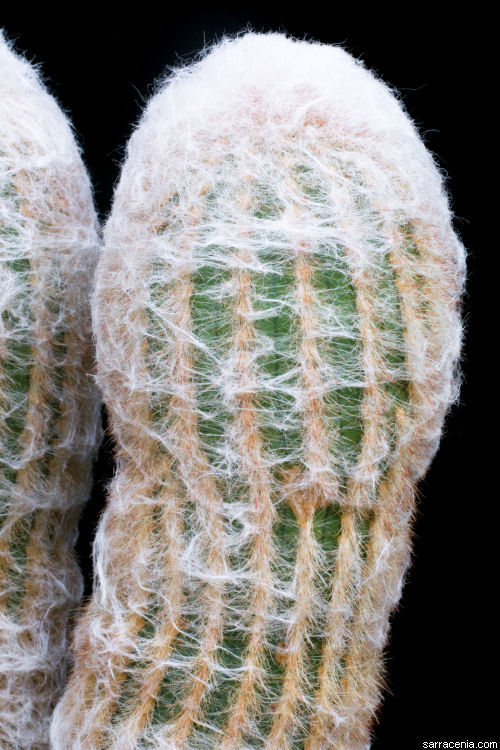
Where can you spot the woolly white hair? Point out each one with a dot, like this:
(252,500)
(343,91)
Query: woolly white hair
(49,407)
(276,313)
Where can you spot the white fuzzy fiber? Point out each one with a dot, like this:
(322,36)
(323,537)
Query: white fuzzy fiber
(49,407)
(277,325)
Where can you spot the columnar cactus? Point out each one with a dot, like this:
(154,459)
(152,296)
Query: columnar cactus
(48,405)
(277,333)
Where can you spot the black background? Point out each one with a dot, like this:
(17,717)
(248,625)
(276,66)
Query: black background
(442,657)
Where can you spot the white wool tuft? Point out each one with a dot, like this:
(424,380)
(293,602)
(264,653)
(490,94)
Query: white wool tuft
(49,409)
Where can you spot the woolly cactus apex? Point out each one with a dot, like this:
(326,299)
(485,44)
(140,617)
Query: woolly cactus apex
(48,405)
(277,331)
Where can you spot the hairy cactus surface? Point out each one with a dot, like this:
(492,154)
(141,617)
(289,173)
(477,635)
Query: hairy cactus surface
(276,313)
(48,405)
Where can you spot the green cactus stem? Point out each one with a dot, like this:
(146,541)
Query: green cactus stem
(277,334)
(48,404)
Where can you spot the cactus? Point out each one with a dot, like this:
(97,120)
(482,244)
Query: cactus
(48,404)
(277,324)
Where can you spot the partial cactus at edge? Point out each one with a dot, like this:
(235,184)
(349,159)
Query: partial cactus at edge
(48,404)
(277,326)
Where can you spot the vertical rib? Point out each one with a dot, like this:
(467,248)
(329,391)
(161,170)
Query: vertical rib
(160,647)
(294,651)
(48,546)
(361,485)
(258,480)
(149,472)
(318,485)
(16,513)
(387,558)
(35,440)
(345,589)
(103,641)
(104,650)
(390,532)
(194,470)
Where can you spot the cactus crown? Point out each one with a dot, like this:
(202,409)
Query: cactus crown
(277,333)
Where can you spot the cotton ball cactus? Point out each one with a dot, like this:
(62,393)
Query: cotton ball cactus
(48,403)
(277,324)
